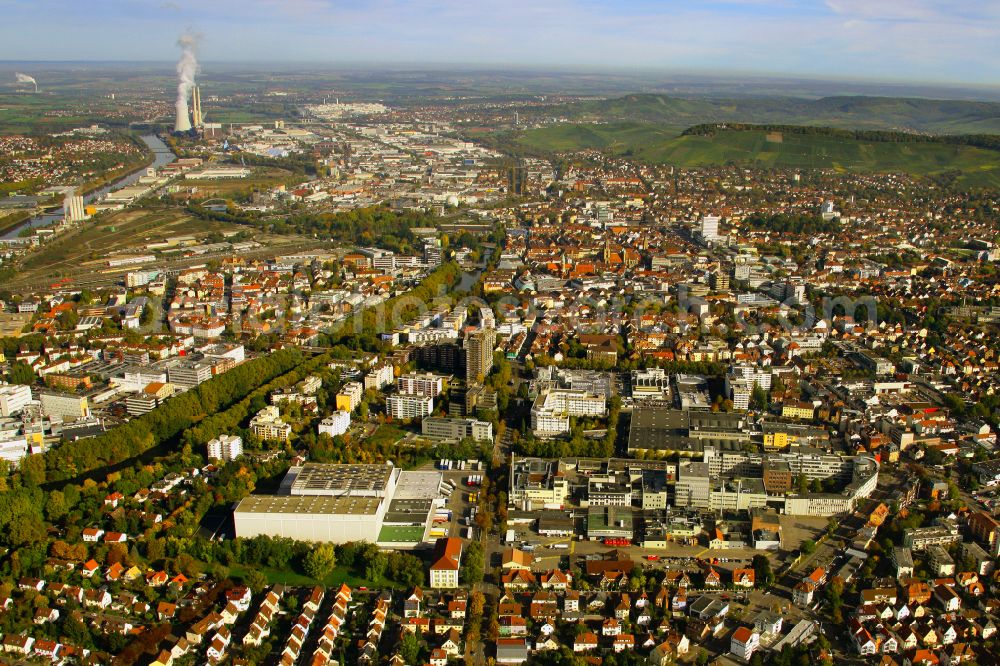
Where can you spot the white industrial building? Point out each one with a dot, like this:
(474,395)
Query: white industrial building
(218,173)
(342,503)
(223,350)
(651,384)
(731,481)
(329,518)
(12,450)
(335,424)
(337,503)
(189,374)
(137,378)
(64,407)
(13,398)
(551,411)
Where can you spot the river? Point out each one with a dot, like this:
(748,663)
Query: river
(468,281)
(470,278)
(162,156)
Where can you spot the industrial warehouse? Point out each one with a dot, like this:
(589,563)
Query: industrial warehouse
(724,480)
(340,503)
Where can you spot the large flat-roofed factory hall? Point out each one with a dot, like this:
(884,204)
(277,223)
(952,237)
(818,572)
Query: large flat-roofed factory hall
(340,503)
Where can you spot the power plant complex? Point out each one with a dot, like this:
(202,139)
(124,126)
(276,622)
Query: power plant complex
(186,121)
(187,67)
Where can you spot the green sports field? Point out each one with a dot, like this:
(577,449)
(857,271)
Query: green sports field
(400,534)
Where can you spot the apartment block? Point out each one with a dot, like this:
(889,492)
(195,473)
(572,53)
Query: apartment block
(225,448)
(425,384)
(404,407)
(267,425)
(335,424)
(350,396)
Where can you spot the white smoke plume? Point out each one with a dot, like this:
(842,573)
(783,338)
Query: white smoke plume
(24,78)
(187,67)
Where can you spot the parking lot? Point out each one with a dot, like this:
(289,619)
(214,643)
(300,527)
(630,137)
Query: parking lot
(458,502)
(545,550)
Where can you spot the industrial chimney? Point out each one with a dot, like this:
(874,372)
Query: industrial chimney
(196,107)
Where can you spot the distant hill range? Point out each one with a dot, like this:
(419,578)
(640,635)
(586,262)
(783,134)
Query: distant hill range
(965,160)
(884,113)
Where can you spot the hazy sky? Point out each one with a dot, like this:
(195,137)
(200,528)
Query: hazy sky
(923,40)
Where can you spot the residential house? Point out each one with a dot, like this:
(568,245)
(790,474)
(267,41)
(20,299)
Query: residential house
(446,563)
(514,558)
(744,643)
(623,642)
(512,651)
(585,642)
(743,578)
(412,604)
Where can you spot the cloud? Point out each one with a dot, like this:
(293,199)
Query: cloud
(916,39)
(916,11)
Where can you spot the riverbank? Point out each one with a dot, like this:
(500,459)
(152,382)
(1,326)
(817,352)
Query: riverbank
(159,154)
(114,176)
(11,222)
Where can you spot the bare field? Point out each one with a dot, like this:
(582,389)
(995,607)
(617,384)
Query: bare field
(88,248)
(261,179)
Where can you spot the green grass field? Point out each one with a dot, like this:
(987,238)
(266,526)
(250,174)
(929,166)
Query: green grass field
(386,434)
(400,533)
(612,137)
(26,113)
(658,144)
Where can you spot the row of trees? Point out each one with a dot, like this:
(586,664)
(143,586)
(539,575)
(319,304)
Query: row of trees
(164,424)
(318,561)
(26,509)
(375,225)
(234,416)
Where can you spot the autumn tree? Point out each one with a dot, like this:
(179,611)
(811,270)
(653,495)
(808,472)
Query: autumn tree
(320,561)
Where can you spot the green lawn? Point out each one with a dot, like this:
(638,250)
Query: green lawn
(659,144)
(400,533)
(387,434)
